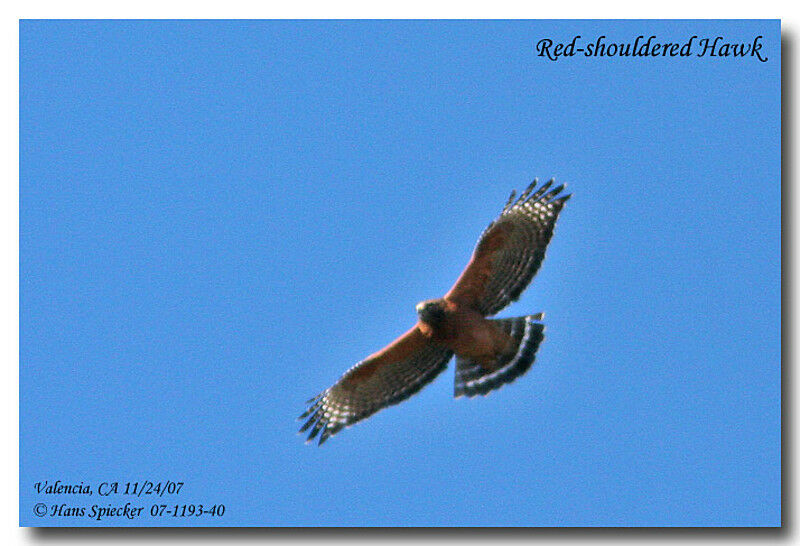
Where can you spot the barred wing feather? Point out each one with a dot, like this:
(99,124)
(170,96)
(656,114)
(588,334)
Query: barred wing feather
(510,251)
(381,380)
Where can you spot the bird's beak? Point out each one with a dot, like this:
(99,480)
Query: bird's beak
(419,307)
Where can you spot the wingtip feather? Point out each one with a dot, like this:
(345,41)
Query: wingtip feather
(528,190)
(541,190)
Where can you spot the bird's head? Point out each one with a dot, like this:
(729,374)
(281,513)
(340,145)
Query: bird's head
(431,311)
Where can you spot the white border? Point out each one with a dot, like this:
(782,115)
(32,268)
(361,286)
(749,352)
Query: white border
(233,9)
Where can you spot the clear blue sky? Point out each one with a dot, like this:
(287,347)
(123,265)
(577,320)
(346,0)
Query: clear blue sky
(217,219)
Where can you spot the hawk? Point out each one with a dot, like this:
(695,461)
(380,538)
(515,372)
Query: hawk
(489,352)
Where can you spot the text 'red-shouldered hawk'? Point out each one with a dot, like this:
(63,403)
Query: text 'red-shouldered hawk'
(489,352)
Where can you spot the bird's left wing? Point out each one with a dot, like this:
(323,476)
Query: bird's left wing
(510,250)
(382,379)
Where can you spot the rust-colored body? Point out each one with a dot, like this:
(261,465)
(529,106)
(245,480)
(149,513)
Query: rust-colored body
(466,332)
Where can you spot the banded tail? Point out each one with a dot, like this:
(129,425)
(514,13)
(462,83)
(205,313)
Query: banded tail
(527,333)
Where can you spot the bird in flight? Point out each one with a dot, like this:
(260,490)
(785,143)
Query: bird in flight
(489,352)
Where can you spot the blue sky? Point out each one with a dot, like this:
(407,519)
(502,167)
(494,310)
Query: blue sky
(217,219)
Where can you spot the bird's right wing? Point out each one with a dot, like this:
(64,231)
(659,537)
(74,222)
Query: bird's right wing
(381,380)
